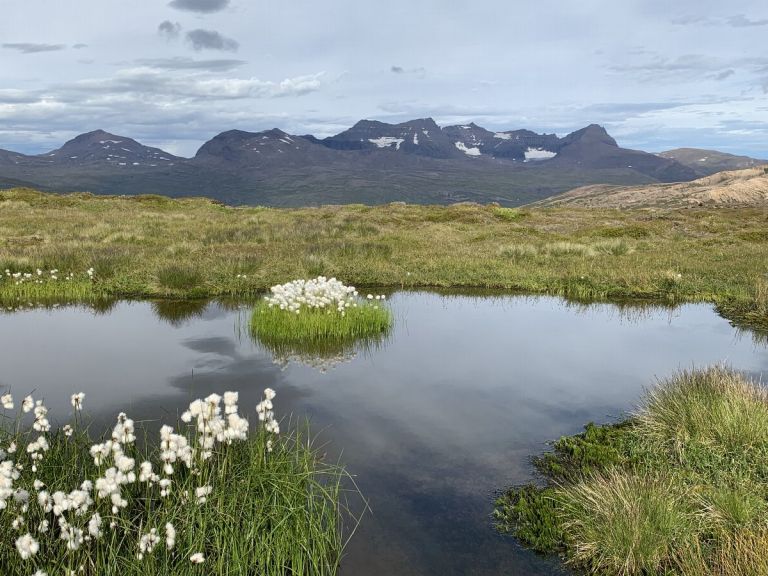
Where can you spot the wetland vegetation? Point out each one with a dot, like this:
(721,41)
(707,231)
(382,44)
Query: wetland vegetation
(152,246)
(172,506)
(677,488)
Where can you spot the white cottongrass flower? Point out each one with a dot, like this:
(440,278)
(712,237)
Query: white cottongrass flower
(77,400)
(27,546)
(197,558)
(147,543)
(318,293)
(40,573)
(202,493)
(67,430)
(94,526)
(7,401)
(27,404)
(41,417)
(170,536)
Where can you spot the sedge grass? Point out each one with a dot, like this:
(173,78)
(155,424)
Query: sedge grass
(274,326)
(681,488)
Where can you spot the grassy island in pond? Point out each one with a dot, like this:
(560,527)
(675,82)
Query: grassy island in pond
(679,488)
(320,315)
(216,496)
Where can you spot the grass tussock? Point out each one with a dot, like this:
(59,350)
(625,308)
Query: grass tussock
(679,488)
(321,316)
(275,326)
(176,248)
(622,523)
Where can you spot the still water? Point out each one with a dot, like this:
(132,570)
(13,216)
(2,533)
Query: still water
(431,423)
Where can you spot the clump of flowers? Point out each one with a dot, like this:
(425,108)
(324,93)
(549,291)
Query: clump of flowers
(39,276)
(102,509)
(318,293)
(318,319)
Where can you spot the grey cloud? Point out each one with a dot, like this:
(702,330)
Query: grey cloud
(190,64)
(724,74)
(169,29)
(203,6)
(737,21)
(211,40)
(624,109)
(32,48)
(419,72)
(745,126)
(741,21)
(13,96)
(138,83)
(690,19)
(79,46)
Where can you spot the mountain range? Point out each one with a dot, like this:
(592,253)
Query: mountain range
(371,162)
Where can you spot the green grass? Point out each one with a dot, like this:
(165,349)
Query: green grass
(155,247)
(320,330)
(681,487)
(274,513)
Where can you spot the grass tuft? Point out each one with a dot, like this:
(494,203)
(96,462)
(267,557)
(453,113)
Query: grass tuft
(277,327)
(680,488)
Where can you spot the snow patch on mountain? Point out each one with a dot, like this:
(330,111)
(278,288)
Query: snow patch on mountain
(468,151)
(387,141)
(538,154)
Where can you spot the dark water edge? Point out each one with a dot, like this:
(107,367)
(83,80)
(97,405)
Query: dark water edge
(432,423)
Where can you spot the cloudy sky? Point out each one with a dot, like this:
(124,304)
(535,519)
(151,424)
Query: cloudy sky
(657,74)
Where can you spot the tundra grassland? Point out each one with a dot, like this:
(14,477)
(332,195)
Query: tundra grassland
(157,247)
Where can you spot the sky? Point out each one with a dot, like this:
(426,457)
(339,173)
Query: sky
(657,74)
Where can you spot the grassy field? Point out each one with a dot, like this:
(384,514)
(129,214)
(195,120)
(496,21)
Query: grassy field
(150,246)
(678,488)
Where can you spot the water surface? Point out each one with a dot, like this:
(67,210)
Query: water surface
(432,423)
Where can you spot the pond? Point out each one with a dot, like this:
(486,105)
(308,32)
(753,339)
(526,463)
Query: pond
(431,422)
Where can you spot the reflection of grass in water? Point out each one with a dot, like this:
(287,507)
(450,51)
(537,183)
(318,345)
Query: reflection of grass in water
(176,312)
(322,355)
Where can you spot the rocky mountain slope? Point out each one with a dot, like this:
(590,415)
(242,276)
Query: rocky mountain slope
(706,162)
(739,188)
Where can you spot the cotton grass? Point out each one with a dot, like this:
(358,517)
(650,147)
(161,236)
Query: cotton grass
(320,315)
(217,495)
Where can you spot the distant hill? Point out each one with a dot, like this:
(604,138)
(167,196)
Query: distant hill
(737,188)
(371,162)
(706,162)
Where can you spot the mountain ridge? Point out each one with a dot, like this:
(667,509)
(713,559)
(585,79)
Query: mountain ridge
(370,162)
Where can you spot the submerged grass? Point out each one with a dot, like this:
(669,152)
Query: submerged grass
(148,246)
(679,488)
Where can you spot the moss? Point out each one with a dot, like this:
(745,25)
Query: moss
(529,513)
(596,449)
